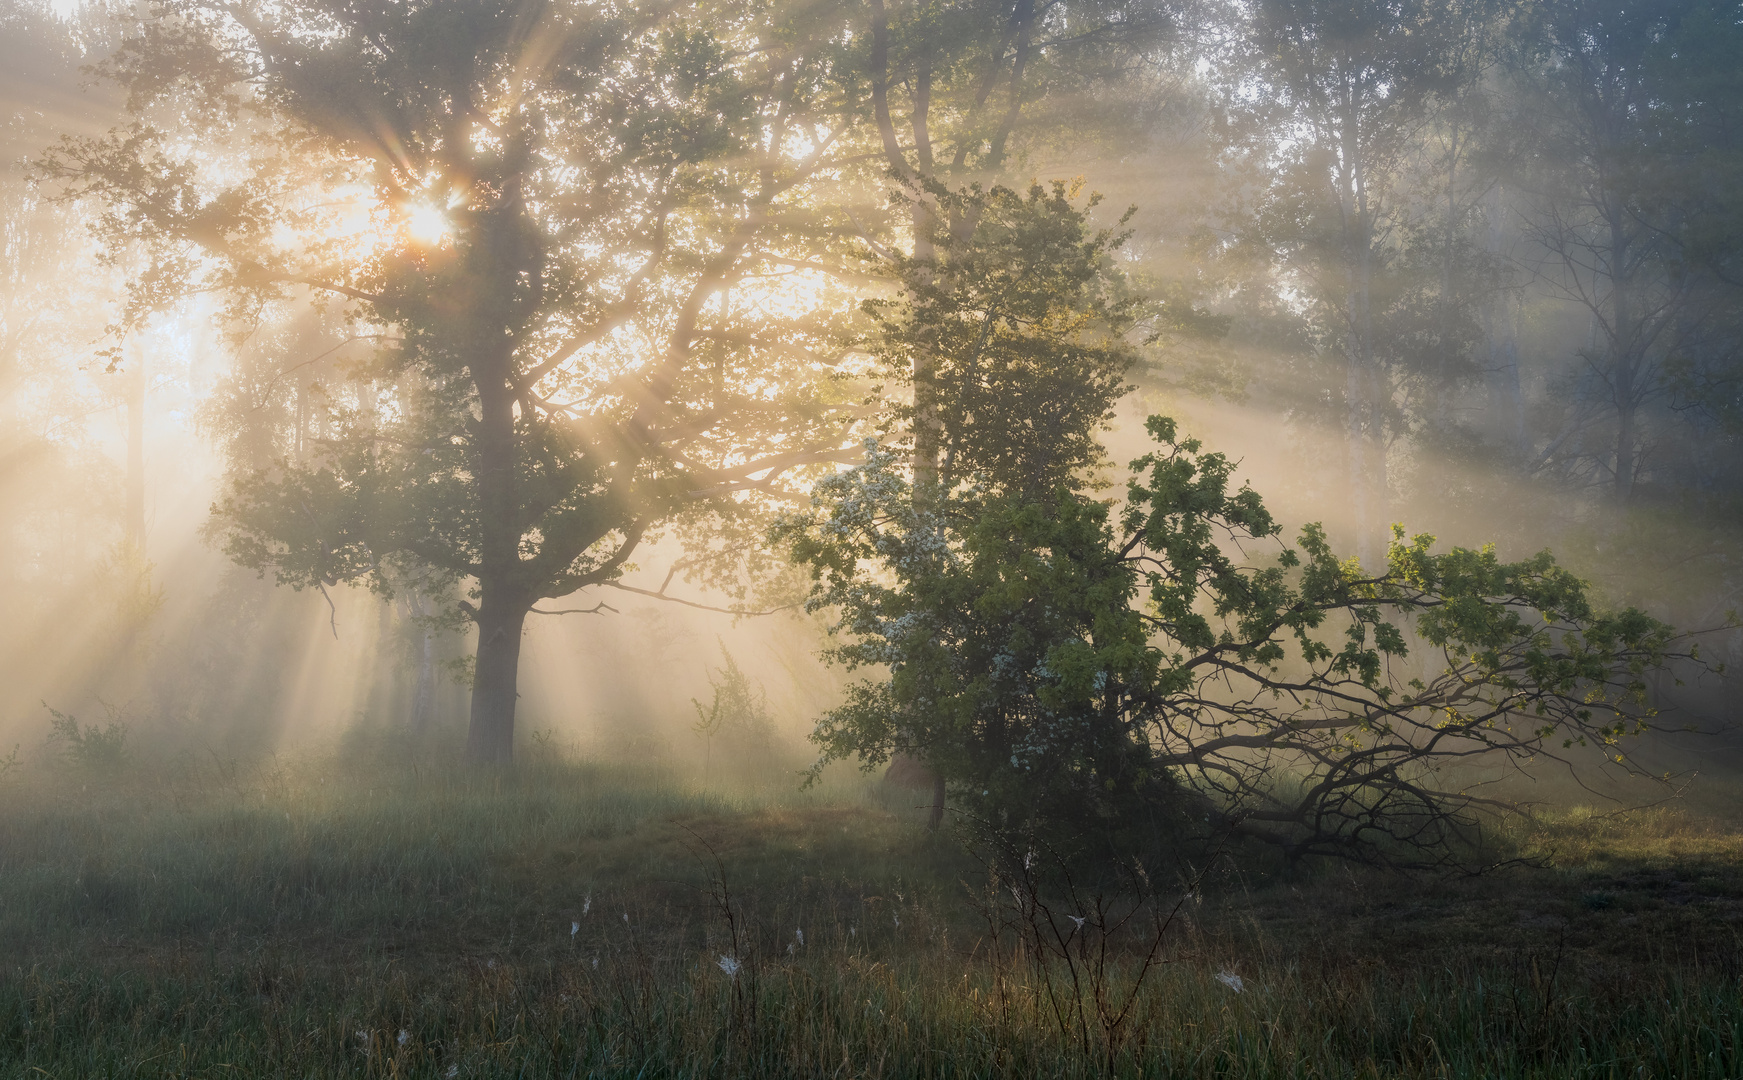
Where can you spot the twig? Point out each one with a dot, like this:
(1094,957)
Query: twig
(332,611)
(691,603)
(595,609)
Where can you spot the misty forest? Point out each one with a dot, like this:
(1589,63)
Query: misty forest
(871,538)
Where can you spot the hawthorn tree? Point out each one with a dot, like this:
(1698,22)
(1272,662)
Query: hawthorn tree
(961,93)
(579,248)
(1126,675)
(1025,321)
(1115,674)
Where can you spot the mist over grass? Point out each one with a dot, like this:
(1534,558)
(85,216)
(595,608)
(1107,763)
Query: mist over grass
(368,911)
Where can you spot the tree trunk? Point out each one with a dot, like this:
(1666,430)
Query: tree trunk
(502,601)
(134,523)
(1501,336)
(1506,395)
(1440,394)
(1362,379)
(490,737)
(1624,336)
(927,428)
(424,690)
(1625,457)
(911,773)
(1356,447)
(302,418)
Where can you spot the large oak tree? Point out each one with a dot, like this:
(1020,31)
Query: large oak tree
(581,237)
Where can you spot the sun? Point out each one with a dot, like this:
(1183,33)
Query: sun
(427,224)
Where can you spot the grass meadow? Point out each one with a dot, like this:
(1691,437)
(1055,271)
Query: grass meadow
(371,913)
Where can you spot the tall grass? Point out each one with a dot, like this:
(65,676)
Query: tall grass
(836,1013)
(379,916)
